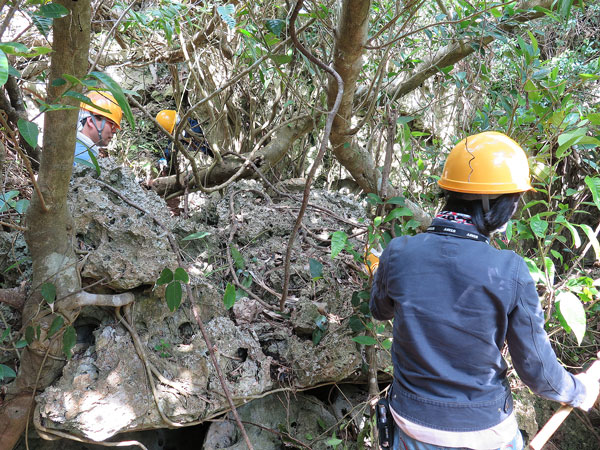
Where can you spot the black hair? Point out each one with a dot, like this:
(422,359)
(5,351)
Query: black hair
(501,210)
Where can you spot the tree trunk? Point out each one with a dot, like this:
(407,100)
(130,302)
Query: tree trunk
(50,229)
(348,61)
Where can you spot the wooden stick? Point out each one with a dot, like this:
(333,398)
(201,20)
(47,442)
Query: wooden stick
(559,416)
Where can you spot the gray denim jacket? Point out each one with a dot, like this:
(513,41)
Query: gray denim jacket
(455,301)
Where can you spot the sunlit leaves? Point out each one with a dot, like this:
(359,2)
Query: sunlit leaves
(538,226)
(3,68)
(339,239)
(226,12)
(593,183)
(571,314)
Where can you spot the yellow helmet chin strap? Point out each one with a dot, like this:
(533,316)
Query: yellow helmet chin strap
(99,130)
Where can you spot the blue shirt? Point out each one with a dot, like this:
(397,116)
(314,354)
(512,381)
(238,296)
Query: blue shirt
(455,301)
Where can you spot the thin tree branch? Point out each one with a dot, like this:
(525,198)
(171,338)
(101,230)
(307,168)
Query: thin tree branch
(109,35)
(319,158)
(26,161)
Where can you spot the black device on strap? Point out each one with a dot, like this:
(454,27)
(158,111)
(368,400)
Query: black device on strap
(385,424)
(451,231)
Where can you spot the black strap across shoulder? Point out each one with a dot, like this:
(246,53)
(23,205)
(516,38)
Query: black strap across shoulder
(451,231)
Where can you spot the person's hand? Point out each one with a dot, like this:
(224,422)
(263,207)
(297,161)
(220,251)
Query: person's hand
(592,388)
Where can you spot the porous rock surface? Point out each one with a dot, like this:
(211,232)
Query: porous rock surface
(105,387)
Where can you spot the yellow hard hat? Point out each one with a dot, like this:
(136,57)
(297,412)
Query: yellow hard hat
(167,118)
(486,163)
(106,101)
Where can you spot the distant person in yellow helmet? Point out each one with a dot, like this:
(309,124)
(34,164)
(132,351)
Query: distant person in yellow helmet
(193,136)
(97,124)
(455,301)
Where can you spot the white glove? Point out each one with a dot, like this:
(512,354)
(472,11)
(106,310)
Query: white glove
(592,387)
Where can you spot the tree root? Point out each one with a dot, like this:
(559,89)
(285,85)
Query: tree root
(14,297)
(51,435)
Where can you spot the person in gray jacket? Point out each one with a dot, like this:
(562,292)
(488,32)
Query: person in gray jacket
(456,300)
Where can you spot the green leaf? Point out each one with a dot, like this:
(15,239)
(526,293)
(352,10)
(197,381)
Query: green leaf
(3,68)
(21,206)
(226,12)
(574,234)
(593,239)
(275,26)
(374,199)
(43,24)
(537,275)
(401,201)
(79,96)
(48,291)
(321,423)
(14,48)
(173,295)
(6,200)
(364,340)
(594,118)
(56,325)
(238,259)
(356,324)
(94,160)
(339,239)
(316,269)
(29,335)
(571,311)
(6,372)
(166,276)
(333,441)
(593,183)
(386,344)
(404,119)
(69,341)
(29,131)
(21,344)
(199,235)
(397,213)
(36,51)
(281,59)
(550,270)
(117,92)
(53,11)
(5,334)
(317,335)
(229,297)
(181,275)
(538,226)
